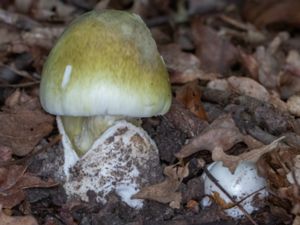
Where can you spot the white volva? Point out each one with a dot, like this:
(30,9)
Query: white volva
(122,160)
(244,184)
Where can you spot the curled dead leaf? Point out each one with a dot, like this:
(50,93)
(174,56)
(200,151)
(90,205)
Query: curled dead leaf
(216,53)
(293,105)
(269,61)
(248,86)
(280,168)
(250,63)
(24,123)
(264,13)
(294,175)
(293,62)
(47,10)
(5,153)
(219,84)
(253,155)
(289,79)
(23,130)
(14,180)
(296,220)
(183,67)
(166,191)
(190,96)
(222,132)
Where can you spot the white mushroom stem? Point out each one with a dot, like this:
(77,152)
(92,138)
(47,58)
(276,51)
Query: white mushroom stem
(83,131)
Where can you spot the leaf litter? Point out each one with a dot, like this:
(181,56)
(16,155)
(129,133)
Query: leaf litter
(24,122)
(16,220)
(166,191)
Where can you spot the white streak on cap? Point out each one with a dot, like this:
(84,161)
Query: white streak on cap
(67,76)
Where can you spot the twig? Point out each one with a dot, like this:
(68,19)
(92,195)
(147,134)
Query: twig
(215,181)
(19,72)
(247,196)
(235,23)
(27,84)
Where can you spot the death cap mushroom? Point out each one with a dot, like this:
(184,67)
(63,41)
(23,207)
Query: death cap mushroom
(105,63)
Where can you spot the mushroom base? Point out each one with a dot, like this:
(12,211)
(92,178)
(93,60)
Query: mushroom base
(83,131)
(122,161)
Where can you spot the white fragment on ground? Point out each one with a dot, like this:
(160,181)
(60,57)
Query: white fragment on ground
(244,185)
(123,160)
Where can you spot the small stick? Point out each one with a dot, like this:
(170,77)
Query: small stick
(215,181)
(19,72)
(27,84)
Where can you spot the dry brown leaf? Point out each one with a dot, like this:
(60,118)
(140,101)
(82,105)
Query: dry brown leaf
(190,96)
(5,153)
(23,130)
(268,67)
(219,84)
(290,78)
(48,10)
(184,120)
(222,132)
(11,176)
(13,182)
(274,167)
(293,62)
(166,191)
(248,86)
(24,123)
(183,67)
(293,105)
(232,161)
(264,13)
(15,99)
(42,36)
(296,220)
(289,84)
(220,136)
(8,34)
(215,53)
(270,61)
(11,200)
(291,193)
(250,63)
(16,220)
(294,175)
(276,101)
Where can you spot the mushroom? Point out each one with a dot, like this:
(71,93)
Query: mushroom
(104,68)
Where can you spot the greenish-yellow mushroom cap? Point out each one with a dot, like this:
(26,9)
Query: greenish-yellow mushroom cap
(105,63)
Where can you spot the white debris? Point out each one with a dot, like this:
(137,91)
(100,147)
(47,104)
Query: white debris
(244,185)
